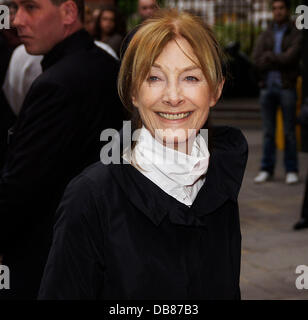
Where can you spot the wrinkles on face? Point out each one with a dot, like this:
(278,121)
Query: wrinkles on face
(175,95)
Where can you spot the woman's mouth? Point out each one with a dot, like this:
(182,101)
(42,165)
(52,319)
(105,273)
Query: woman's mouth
(174,116)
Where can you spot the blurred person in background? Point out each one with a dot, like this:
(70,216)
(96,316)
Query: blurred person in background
(276,57)
(95,13)
(24,68)
(146,9)
(109,27)
(56,135)
(89,21)
(89,25)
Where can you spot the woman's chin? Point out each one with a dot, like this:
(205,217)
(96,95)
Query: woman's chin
(182,143)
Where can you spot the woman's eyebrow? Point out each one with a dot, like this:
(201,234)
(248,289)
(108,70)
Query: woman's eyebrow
(189,68)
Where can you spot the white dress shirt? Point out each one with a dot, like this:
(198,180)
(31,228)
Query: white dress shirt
(107,48)
(22,71)
(176,173)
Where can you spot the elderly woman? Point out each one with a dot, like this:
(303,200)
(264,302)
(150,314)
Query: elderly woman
(163,224)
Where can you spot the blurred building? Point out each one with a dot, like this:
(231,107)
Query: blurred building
(204,8)
(229,11)
(261,13)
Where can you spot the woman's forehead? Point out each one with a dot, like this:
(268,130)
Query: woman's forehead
(177,52)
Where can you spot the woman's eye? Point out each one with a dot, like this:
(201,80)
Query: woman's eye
(191,78)
(153,78)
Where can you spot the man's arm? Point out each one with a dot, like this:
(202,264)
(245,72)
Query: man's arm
(292,55)
(36,159)
(262,56)
(7,119)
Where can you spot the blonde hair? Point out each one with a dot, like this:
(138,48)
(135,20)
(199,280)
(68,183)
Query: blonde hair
(150,40)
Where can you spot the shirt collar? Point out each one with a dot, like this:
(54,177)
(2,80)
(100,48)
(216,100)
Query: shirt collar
(173,167)
(178,174)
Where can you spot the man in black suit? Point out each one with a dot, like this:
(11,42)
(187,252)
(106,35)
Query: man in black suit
(57,133)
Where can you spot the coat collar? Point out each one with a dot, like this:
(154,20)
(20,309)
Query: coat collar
(75,42)
(223,182)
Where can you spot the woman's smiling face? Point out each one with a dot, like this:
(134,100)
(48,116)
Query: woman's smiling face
(175,96)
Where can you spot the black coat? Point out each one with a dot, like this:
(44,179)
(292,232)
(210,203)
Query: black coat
(7,117)
(119,236)
(56,136)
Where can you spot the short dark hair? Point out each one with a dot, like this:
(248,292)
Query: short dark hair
(79,4)
(287,3)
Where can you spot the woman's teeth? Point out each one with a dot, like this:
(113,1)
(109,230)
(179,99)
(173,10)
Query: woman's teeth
(177,116)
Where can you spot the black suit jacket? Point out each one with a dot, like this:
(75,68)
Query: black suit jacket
(57,134)
(7,116)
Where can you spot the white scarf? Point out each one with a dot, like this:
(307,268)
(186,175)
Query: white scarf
(176,173)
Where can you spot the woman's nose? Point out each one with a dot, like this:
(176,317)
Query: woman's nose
(173,95)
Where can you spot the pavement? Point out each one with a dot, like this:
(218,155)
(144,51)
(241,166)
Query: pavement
(271,249)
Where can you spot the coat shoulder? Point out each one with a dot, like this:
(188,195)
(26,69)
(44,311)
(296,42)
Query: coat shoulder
(98,175)
(85,192)
(92,68)
(229,139)
(229,156)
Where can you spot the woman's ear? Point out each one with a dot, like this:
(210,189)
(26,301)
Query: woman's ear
(134,101)
(218,94)
(69,12)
